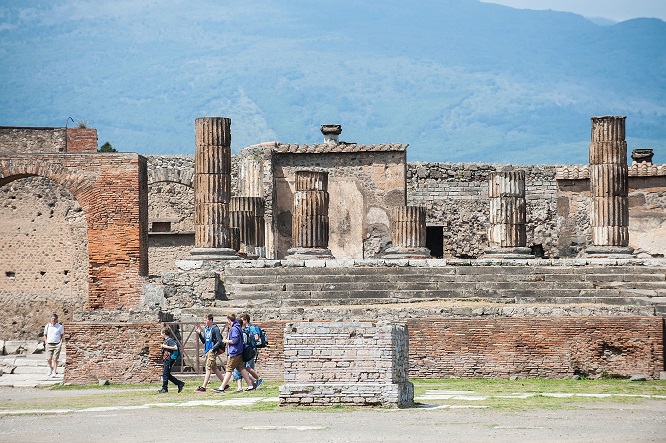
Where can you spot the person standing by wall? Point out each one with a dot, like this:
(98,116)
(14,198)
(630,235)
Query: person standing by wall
(212,340)
(171,352)
(53,334)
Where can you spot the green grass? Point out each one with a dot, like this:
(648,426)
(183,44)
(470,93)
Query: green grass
(88,396)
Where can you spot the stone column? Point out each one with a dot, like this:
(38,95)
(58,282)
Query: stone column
(408,233)
(212,189)
(506,233)
(609,183)
(309,228)
(247,214)
(251,175)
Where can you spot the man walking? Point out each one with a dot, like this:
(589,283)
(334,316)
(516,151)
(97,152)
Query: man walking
(212,340)
(53,332)
(235,344)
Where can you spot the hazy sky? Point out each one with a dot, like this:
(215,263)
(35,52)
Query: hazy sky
(618,10)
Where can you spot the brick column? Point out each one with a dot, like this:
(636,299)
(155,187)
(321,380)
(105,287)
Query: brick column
(309,228)
(212,189)
(506,233)
(408,233)
(609,183)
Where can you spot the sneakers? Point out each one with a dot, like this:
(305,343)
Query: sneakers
(180,386)
(162,391)
(258,382)
(250,388)
(221,390)
(200,389)
(50,373)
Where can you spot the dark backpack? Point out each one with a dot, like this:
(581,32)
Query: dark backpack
(249,350)
(263,339)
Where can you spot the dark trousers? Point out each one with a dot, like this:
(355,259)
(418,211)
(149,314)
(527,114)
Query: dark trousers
(166,374)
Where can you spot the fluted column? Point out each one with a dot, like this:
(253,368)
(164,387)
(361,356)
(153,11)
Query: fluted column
(609,183)
(212,189)
(309,228)
(408,233)
(247,214)
(506,233)
(251,175)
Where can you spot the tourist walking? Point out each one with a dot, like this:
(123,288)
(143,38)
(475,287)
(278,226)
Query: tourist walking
(250,337)
(170,353)
(53,335)
(234,342)
(211,337)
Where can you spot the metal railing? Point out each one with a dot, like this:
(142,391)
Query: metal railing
(191,359)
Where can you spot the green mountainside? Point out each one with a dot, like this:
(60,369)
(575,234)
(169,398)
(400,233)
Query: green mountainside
(458,80)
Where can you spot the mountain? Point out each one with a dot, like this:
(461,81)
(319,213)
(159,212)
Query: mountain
(458,80)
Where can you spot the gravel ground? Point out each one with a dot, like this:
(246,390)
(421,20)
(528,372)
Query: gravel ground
(590,422)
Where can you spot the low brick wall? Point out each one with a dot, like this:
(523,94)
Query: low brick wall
(351,363)
(118,352)
(550,347)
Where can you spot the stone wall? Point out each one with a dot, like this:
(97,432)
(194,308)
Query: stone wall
(117,352)
(363,364)
(558,207)
(549,347)
(32,140)
(364,182)
(43,256)
(112,192)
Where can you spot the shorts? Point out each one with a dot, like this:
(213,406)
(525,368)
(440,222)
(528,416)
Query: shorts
(211,360)
(235,362)
(52,351)
(248,364)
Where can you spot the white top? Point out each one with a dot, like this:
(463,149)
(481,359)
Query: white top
(53,332)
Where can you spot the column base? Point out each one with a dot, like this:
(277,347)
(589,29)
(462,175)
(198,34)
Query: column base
(309,254)
(402,253)
(214,254)
(513,252)
(609,252)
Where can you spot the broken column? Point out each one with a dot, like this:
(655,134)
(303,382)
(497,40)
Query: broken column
(408,233)
(212,189)
(309,229)
(346,363)
(609,182)
(506,233)
(247,214)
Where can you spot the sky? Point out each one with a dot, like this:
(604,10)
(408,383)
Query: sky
(617,10)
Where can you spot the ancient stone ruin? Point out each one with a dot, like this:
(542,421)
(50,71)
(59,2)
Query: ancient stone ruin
(290,233)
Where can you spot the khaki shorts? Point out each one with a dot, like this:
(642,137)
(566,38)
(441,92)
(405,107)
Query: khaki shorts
(235,362)
(211,360)
(52,351)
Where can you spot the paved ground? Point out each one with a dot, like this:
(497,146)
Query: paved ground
(220,418)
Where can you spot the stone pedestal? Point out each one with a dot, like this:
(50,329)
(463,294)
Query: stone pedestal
(609,182)
(346,363)
(408,233)
(212,189)
(309,229)
(507,233)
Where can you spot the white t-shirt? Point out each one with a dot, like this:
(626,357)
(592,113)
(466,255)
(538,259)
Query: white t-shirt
(53,332)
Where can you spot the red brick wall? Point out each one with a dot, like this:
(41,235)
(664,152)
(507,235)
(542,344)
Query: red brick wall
(112,191)
(550,347)
(547,347)
(81,140)
(118,352)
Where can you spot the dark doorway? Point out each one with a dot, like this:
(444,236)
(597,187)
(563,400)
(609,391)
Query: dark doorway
(435,240)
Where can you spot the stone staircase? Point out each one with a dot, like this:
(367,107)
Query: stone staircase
(326,283)
(29,370)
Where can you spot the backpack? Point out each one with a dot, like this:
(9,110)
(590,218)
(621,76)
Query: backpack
(249,349)
(263,338)
(173,355)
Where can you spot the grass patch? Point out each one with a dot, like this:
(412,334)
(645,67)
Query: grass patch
(90,396)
